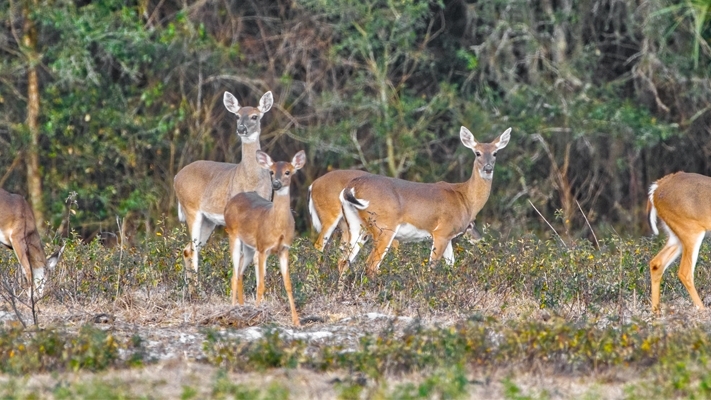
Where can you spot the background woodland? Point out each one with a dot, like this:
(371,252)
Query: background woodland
(109,99)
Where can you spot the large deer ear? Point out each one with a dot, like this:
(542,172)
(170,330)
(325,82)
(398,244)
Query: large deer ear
(299,160)
(264,160)
(231,103)
(503,140)
(467,138)
(265,103)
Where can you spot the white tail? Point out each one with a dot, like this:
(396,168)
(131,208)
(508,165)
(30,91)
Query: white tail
(203,187)
(682,201)
(254,224)
(19,233)
(325,206)
(394,209)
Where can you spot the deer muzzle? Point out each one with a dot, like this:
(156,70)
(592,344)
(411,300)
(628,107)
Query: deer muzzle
(241,129)
(276,185)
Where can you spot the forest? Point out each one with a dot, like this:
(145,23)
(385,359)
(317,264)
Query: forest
(105,101)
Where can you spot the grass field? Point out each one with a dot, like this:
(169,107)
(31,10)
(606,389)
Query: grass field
(513,318)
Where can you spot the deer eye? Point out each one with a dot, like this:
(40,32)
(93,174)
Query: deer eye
(287,173)
(254,117)
(271,173)
(237,115)
(495,153)
(478,154)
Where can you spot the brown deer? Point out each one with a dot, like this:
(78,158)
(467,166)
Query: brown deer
(325,207)
(682,202)
(19,233)
(394,209)
(204,187)
(258,225)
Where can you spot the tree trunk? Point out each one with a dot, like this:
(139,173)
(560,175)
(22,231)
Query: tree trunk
(34,179)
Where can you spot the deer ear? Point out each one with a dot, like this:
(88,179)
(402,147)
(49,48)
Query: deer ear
(299,160)
(231,103)
(265,103)
(467,138)
(264,160)
(503,140)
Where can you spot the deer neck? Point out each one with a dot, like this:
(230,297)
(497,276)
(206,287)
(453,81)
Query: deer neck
(249,159)
(282,205)
(475,192)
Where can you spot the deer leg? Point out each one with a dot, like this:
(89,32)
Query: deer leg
(356,235)
(19,246)
(381,245)
(237,284)
(284,266)
(659,264)
(689,257)
(325,235)
(441,246)
(260,268)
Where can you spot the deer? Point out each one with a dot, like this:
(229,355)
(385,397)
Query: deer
(204,187)
(18,232)
(390,209)
(326,210)
(325,206)
(254,224)
(682,202)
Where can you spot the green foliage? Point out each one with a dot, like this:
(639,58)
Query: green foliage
(90,349)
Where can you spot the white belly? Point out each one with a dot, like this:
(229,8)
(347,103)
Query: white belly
(410,233)
(4,239)
(218,219)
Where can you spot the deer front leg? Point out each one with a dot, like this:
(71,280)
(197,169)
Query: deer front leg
(260,268)
(237,284)
(441,246)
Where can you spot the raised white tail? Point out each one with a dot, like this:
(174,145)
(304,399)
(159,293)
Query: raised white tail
(257,225)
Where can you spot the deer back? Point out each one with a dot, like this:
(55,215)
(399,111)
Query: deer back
(683,198)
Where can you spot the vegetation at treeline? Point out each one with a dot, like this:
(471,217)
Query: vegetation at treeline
(109,99)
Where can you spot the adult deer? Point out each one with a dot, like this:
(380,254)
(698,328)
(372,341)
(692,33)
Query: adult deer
(326,210)
(682,201)
(325,206)
(394,209)
(254,224)
(204,187)
(19,233)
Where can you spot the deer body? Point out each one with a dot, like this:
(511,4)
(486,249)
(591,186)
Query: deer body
(18,232)
(257,225)
(682,202)
(394,209)
(204,187)
(325,206)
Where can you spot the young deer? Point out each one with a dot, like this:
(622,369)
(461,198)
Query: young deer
(682,201)
(19,233)
(203,187)
(254,224)
(394,209)
(325,207)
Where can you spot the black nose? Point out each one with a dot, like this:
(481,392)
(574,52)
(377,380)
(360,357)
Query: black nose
(241,129)
(488,168)
(276,185)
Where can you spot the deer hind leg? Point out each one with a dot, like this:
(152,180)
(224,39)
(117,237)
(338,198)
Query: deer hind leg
(22,252)
(325,235)
(356,235)
(260,267)
(689,256)
(284,266)
(659,264)
(382,240)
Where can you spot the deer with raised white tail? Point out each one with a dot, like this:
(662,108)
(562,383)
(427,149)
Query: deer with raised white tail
(257,225)
(325,206)
(18,232)
(394,209)
(682,202)
(204,187)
